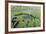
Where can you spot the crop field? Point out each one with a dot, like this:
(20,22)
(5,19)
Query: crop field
(25,16)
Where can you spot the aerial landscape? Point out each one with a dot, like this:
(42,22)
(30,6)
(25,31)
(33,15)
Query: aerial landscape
(25,16)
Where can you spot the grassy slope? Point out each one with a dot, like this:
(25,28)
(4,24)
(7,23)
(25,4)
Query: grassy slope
(33,10)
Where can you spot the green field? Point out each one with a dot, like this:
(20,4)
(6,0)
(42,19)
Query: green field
(25,16)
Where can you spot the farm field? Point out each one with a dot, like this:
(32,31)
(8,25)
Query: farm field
(25,16)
